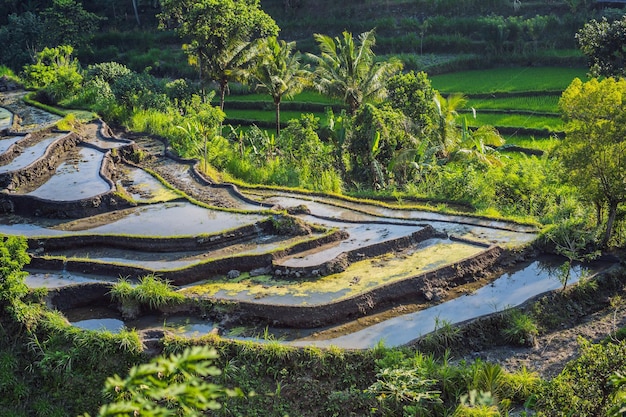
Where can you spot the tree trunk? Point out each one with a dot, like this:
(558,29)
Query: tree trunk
(223,87)
(610,222)
(277,104)
(136,12)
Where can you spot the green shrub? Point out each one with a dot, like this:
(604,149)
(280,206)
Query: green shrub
(583,388)
(520,329)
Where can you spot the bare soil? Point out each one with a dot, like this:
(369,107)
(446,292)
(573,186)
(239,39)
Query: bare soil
(556,348)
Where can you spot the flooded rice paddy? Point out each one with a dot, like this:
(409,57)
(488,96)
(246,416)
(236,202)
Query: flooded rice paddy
(510,290)
(5,118)
(358,277)
(156,211)
(30,154)
(76,178)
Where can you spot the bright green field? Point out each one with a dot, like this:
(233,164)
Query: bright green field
(547,103)
(532,142)
(304,97)
(266,116)
(507,80)
(548,123)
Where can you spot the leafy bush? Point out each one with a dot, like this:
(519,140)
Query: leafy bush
(107,71)
(583,388)
(54,71)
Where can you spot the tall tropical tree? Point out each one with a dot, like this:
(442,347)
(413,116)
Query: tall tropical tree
(280,72)
(347,69)
(220,34)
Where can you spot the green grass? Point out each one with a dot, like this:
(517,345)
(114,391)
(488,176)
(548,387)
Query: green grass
(507,80)
(538,103)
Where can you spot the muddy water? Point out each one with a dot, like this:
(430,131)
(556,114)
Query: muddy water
(509,290)
(43,279)
(29,155)
(357,278)
(143,187)
(175,219)
(110,320)
(490,232)
(75,179)
(157,220)
(6,142)
(173,260)
(5,118)
(361,235)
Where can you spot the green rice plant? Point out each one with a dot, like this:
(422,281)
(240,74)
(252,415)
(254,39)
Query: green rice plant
(7,72)
(545,144)
(266,116)
(122,290)
(520,329)
(155,293)
(129,341)
(506,80)
(69,122)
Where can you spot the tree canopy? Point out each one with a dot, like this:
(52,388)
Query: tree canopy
(594,150)
(347,69)
(280,72)
(219,33)
(604,44)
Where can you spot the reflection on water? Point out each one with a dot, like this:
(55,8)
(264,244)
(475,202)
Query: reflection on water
(29,155)
(44,279)
(75,179)
(104,319)
(357,278)
(5,118)
(511,289)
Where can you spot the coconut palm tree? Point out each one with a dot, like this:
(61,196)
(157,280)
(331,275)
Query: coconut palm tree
(280,72)
(346,69)
(232,64)
(448,133)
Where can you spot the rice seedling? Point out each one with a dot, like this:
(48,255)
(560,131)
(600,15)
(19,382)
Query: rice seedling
(155,293)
